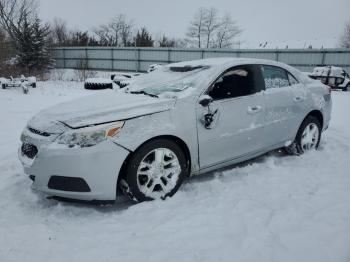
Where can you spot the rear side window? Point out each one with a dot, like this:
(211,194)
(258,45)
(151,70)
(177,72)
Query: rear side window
(275,77)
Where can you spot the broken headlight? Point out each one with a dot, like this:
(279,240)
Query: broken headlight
(90,136)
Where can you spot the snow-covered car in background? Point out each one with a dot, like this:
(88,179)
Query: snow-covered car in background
(98,83)
(335,77)
(183,119)
(153,67)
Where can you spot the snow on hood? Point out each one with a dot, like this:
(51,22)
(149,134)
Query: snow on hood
(97,109)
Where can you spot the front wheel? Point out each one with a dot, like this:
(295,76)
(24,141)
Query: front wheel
(155,171)
(308,137)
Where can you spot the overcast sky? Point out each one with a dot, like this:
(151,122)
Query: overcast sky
(293,22)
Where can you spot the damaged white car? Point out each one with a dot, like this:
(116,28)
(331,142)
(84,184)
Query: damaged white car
(182,119)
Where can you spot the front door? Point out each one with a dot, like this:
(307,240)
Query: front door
(235,127)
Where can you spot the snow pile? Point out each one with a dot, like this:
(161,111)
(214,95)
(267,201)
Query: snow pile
(98,80)
(275,208)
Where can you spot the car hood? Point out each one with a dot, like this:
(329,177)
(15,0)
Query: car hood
(98,109)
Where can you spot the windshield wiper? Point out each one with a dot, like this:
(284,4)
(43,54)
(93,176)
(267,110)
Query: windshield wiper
(144,93)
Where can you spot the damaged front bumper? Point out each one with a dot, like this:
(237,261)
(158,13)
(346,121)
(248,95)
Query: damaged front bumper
(89,173)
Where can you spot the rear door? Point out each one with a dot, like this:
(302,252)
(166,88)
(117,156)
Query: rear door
(284,97)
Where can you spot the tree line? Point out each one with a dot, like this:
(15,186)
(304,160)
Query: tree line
(26,39)
(207,29)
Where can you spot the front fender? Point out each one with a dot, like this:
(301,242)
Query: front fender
(139,130)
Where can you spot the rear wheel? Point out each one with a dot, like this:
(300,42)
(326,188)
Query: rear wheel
(308,137)
(155,171)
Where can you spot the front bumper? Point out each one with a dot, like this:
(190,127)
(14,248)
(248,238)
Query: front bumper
(98,166)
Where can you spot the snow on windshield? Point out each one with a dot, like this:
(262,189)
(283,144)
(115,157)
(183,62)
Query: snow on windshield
(168,80)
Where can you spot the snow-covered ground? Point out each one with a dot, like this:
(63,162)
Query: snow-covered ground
(275,208)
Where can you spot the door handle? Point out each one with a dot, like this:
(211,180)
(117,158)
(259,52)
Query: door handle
(254,109)
(298,99)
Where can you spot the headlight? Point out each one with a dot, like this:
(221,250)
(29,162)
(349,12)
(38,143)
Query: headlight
(90,136)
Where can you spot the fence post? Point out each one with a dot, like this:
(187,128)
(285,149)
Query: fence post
(137,61)
(169,56)
(323,57)
(64,57)
(112,59)
(87,58)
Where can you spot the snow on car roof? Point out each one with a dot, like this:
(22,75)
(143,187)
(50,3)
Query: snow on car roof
(224,61)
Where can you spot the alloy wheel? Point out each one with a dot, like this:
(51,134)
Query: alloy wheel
(158,173)
(310,137)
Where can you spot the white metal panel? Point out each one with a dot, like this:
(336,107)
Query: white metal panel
(304,58)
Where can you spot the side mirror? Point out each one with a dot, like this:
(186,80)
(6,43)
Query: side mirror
(205,100)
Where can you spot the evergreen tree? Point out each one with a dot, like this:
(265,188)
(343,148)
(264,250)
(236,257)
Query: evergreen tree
(41,55)
(32,45)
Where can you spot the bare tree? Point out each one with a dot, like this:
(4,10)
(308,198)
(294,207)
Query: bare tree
(122,29)
(195,30)
(59,32)
(13,13)
(118,32)
(345,38)
(105,35)
(82,71)
(226,32)
(161,40)
(211,24)
(208,30)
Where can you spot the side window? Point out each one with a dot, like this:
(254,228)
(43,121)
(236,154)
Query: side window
(292,80)
(235,82)
(274,77)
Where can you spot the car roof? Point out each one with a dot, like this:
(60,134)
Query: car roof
(226,62)
(223,63)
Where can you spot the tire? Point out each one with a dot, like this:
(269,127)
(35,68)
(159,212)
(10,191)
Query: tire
(3,86)
(142,184)
(33,85)
(300,146)
(98,86)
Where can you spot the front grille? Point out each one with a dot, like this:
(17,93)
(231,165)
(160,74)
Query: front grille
(40,133)
(72,184)
(29,150)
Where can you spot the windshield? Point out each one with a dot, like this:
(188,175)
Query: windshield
(167,80)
